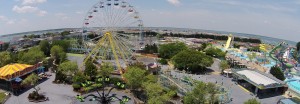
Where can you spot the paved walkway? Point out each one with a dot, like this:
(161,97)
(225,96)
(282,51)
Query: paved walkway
(57,94)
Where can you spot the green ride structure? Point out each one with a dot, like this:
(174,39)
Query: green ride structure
(279,58)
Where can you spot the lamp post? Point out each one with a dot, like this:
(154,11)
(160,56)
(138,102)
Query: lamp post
(105,98)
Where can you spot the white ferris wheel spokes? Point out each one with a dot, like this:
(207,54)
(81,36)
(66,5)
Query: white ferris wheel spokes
(113,22)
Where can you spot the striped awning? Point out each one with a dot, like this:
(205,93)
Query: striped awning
(11,70)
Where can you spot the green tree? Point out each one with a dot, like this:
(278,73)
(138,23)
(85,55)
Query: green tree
(156,94)
(5,58)
(64,33)
(197,96)
(276,72)
(147,48)
(151,48)
(167,51)
(90,69)
(163,61)
(212,90)
(203,46)
(252,56)
(150,78)
(134,77)
(32,80)
(45,47)
(139,65)
(159,36)
(224,65)
(31,36)
(252,101)
(254,48)
(58,54)
(79,77)
(33,56)
(65,44)
(68,70)
(155,48)
(192,60)
(236,45)
(92,35)
(202,93)
(215,52)
(106,69)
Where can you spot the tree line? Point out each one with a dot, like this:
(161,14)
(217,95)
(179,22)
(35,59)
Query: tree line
(215,37)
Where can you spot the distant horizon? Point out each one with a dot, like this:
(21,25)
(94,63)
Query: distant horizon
(233,33)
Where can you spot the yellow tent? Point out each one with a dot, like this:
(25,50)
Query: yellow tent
(14,70)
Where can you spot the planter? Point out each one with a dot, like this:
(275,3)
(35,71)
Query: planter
(35,97)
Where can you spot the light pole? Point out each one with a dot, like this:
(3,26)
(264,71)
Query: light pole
(105,98)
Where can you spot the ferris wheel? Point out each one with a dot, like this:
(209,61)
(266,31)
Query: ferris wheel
(111,31)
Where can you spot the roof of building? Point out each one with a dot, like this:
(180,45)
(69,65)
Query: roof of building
(259,79)
(13,68)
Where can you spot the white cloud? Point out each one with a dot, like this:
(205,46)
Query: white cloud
(29,9)
(25,9)
(10,22)
(3,18)
(174,2)
(7,20)
(62,15)
(29,2)
(42,13)
(23,20)
(79,12)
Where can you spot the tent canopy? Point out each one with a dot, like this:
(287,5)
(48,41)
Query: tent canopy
(13,69)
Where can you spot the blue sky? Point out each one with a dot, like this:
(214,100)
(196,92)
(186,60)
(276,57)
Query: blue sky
(274,18)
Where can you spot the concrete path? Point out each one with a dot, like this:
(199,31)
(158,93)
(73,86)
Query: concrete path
(57,94)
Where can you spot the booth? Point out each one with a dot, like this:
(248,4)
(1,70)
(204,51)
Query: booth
(12,75)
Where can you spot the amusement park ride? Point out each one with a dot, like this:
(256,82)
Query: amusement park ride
(118,27)
(284,56)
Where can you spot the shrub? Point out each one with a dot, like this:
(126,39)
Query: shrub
(163,61)
(252,101)
(276,72)
(76,87)
(88,89)
(114,80)
(96,86)
(35,96)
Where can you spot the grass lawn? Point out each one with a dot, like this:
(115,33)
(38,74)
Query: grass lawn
(2,97)
(75,55)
